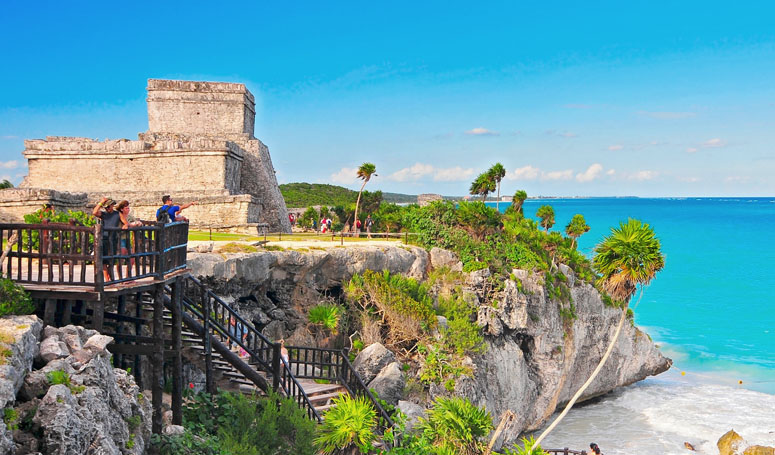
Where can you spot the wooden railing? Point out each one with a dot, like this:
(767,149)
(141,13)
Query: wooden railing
(565,451)
(227,326)
(67,255)
(333,365)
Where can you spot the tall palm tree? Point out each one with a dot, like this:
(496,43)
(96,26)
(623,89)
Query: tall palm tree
(365,172)
(576,227)
(546,213)
(517,200)
(483,185)
(626,260)
(497,172)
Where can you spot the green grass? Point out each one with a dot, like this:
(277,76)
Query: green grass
(231,237)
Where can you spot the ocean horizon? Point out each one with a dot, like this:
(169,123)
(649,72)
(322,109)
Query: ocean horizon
(710,310)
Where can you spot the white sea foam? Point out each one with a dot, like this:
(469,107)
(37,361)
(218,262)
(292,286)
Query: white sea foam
(659,415)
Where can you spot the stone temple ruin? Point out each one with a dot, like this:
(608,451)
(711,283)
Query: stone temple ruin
(199,147)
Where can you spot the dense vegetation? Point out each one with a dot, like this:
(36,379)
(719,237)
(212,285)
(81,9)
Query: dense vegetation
(307,194)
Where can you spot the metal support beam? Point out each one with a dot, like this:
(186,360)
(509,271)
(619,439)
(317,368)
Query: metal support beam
(157,359)
(177,346)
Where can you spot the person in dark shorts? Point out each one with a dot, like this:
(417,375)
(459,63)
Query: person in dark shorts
(111,220)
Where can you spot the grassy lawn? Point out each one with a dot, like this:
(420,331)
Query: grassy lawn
(229,237)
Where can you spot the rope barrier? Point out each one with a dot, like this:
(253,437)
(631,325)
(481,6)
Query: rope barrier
(719,379)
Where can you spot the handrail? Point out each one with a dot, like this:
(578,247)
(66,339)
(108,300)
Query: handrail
(565,451)
(259,349)
(333,365)
(60,253)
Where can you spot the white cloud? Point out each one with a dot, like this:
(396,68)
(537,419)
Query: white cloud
(610,172)
(714,143)
(615,147)
(566,134)
(590,174)
(737,179)
(413,173)
(345,176)
(558,175)
(641,176)
(420,170)
(10,137)
(453,174)
(692,150)
(667,115)
(481,132)
(9,164)
(689,179)
(524,173)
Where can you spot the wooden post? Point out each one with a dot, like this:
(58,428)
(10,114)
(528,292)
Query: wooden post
(209,382)
(99,282)
(138,331)
(177,359)
(118,359)
(162,264)
(67,312)
(276,366)
(98,315)
(157,358)
(50,311)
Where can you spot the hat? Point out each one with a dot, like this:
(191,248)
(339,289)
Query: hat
(108,202)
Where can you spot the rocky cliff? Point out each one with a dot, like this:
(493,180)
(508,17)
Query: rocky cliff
(537,356)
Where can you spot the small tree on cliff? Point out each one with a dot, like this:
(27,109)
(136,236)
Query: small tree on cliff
(626,260)
(365,172)
(546,213)
(482,185)
(517,200)
(576,228)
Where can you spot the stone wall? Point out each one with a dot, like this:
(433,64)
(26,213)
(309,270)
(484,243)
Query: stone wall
(81,164)
(209,108)
(17,202)
(258,178)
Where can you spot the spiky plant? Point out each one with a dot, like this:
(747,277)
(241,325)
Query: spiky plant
(327,315)
(348,427)
(546,213)
(576,228)
(457,426)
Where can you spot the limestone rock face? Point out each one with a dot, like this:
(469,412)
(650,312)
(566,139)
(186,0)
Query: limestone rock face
(445,258)
(19,336)
(732,443)
(536,359)
(275,289)
(389,383)
(95,408)
(413,412)
(370,362)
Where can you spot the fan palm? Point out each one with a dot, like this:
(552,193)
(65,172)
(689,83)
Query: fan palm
(365,172)
(546,213)
(577,227)
(628,258)
(497,172)
(483,185)
(348,427)
(517,200)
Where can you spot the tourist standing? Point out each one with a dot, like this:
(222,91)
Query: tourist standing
(111,221)
(369,224)
(173,211)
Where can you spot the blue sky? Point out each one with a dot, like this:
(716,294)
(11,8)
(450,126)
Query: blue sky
(582,98)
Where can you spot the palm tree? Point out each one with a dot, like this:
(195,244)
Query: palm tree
(483,185)
(5,184)
(576,227)
(546,213)
(497,172)
(517,200)
(365,172)
(626,260)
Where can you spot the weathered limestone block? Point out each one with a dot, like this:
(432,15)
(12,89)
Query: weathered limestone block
(445,258)
(389,383)
(372,360)
(412,411)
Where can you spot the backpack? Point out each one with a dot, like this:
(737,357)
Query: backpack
(163,214)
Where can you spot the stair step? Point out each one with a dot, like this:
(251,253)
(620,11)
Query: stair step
(324,398)
(325,408)
(312,388)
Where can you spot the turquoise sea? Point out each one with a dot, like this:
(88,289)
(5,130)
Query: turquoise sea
(712,310)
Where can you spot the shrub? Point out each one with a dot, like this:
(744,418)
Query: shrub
(233,247)
(529,447)
(349,424)
(78,217)
(14,299)
(457,426)
(327,315)
(10,418)
(58,377)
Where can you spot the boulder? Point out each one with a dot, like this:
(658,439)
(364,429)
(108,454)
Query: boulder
(372,360)
(730,444)
(389,383)
(759,450)
(445,258)
(412,411)
(51,348)
(173,430)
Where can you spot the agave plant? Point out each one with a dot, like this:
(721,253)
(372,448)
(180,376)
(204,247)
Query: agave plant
(348,427)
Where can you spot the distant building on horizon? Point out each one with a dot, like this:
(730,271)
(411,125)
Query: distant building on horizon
(427,198)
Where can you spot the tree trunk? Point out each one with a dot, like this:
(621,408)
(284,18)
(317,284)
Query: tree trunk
(589,381)
(357,203)
(498,201)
